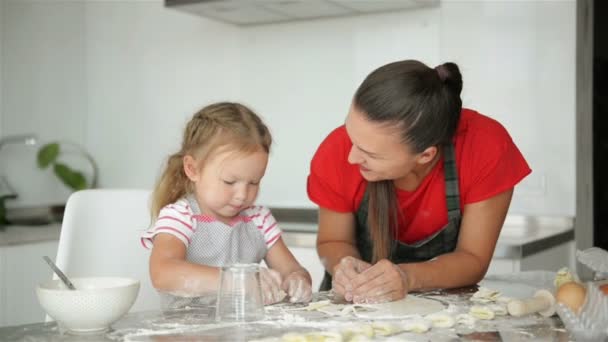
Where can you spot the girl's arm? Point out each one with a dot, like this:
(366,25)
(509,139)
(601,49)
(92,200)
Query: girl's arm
(279,258)
(296,281)
(170,272)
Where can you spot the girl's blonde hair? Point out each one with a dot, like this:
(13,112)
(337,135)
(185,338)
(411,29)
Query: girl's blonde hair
(214,126)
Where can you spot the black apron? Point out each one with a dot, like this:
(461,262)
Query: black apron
(443,241)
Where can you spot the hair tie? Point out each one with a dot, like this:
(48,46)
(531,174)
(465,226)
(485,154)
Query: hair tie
(442,71)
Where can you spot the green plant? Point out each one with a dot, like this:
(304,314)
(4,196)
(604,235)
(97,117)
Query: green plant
(48,155)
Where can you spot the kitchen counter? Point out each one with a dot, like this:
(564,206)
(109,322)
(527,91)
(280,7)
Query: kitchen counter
(197,324)
(12,235)
(520,236)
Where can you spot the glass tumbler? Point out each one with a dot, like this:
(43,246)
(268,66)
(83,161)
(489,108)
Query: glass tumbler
(239,296)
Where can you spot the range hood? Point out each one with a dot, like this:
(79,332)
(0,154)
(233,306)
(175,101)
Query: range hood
(256,12)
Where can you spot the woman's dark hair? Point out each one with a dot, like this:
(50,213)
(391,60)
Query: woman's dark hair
(424,105)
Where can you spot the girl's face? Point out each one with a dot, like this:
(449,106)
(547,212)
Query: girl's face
(227,182)
(378,150)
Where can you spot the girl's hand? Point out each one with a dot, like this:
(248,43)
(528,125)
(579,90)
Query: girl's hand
(298,286)
(271,286)
(382,282)
(344,273)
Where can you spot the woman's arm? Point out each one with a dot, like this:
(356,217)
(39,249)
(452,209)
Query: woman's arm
(170,272)
(466,265)
(337,249)
(335,238)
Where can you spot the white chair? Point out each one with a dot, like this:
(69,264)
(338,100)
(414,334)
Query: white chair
(100,237)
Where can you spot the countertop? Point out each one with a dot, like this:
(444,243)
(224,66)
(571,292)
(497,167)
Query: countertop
(12,235)
(197,324)
(520,236)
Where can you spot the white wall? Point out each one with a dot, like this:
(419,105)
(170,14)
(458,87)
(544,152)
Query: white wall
(43,88)
(139,71)
(119,78)
(148,70)
(518,64)
(301,77)
(1,58)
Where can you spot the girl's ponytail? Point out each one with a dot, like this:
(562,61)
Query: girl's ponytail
(172,185)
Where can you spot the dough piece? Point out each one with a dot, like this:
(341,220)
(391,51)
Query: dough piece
(441,320)
(466,319)
(481,312)
(320,336)
(417,325)
(410,305)
(499,309)
(385,329)
(365,330)
(359,338)
(340,310)
(563,276)
(293,337)
(485,295)
(315,305)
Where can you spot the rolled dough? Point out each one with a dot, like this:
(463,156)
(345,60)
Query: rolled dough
(410,305)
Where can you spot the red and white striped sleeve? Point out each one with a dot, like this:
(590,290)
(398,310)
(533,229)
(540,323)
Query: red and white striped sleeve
(175,219)
(266,223)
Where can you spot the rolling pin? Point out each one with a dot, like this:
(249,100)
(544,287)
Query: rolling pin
(543,302)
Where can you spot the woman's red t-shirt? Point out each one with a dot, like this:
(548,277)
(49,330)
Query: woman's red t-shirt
(487,160)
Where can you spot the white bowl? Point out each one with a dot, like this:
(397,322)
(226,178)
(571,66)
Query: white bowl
(93,306)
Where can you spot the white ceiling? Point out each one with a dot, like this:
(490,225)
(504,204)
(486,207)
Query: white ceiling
(254,12)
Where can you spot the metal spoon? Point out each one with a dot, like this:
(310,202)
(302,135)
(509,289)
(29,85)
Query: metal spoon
(57,271)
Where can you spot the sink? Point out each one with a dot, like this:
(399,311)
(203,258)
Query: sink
(35,215)
(517,227)
(519,231)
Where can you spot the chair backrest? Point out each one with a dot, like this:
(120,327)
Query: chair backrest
(100,237)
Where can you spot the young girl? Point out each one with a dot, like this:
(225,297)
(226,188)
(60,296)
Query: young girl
(204,212)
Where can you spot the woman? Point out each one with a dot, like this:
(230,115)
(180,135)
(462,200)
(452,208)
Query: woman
(413,189)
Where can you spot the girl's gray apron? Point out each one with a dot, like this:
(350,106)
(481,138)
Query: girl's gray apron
(218,244)
(443,241)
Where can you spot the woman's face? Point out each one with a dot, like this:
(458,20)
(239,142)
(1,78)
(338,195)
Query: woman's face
(377,149)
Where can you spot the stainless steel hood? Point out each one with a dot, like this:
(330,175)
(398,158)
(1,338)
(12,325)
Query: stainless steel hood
(256,12)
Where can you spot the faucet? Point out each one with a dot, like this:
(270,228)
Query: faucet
(6,190)
(26,139)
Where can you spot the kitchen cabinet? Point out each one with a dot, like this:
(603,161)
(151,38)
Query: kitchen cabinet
(550,259)
(21,270)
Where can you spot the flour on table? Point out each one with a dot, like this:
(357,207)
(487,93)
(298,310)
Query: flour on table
(417,325)
(466,319)
(499,309)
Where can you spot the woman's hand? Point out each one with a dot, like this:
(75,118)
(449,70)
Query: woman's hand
(344,273)
(298,286)
(382,282)
(271,286)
